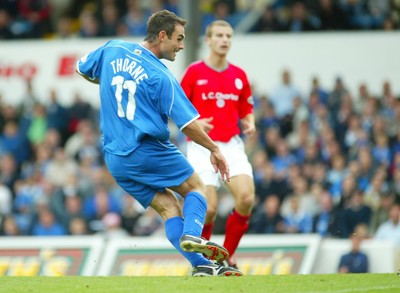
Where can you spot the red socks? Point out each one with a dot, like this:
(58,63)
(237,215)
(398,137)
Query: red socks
(207,230)
(236,226)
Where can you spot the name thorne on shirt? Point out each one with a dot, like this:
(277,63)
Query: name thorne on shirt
(130,66)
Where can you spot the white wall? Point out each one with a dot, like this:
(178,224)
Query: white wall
(382,255)
(356,57)
(47,58)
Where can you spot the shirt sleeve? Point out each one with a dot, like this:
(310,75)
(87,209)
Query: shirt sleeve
(246,99)
(89,64)
(182,110)
(342,261)
(364,264)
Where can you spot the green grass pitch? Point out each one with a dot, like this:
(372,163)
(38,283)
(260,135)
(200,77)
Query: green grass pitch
(334,283)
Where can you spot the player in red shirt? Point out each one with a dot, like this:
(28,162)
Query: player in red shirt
(221,93)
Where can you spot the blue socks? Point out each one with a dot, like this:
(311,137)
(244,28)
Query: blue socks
(173,230)
(194,213)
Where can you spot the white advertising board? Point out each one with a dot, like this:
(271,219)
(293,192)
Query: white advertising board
(155,256)
(50,256)
(257,255)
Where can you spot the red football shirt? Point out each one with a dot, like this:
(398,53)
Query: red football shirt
(224,95)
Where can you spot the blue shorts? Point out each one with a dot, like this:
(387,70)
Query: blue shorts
(150,168)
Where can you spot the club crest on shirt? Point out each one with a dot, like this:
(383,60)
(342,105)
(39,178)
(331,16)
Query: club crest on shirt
(238,83)
(202,82)
(137,52)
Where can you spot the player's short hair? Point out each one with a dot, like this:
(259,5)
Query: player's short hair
(216,23)
(163,20)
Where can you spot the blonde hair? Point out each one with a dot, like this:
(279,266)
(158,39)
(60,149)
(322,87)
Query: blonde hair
(216,23)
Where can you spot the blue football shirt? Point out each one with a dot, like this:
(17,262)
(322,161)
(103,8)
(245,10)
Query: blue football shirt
(138,94)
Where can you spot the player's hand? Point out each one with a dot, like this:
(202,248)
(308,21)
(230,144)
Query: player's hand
(248,128)
(220,164)
(205,124)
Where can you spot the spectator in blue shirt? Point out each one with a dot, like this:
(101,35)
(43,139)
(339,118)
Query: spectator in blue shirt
(47,224)
(297,221)
(354,261)
(268,219)
(328,222)
(356,213)
(283,158)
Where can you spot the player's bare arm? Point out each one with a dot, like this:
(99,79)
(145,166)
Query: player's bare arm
(195,132)
(205,124)
(248,125)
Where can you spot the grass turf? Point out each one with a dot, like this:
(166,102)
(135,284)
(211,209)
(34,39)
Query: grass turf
(334,283)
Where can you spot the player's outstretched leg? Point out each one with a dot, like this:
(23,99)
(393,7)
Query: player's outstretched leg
(215,270)
(194,211)
(209,249)
(201,265)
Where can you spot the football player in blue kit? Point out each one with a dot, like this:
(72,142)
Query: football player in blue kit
(138,95)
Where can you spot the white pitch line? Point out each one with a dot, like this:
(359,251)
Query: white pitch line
(358,289)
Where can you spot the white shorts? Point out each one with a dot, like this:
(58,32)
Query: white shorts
(234,153)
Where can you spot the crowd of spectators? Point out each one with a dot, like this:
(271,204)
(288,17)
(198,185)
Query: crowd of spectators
(326,163)
(328,15)
(22,19)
